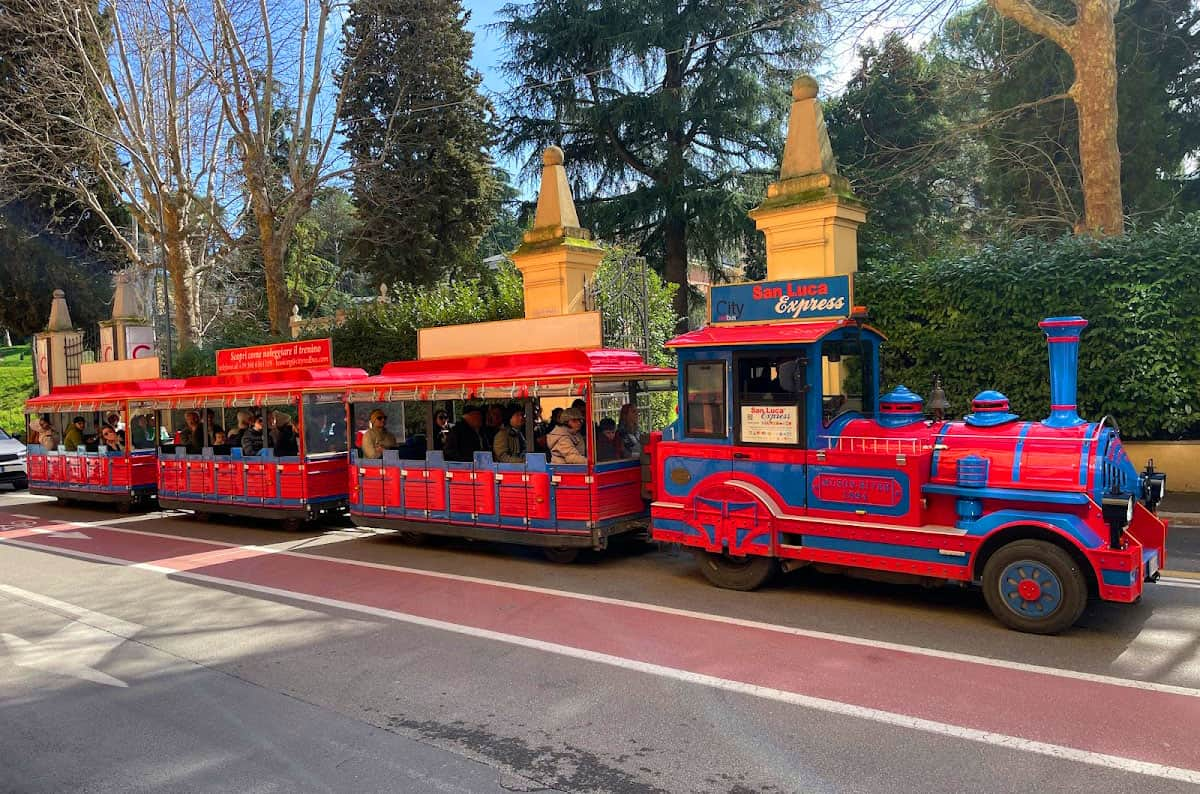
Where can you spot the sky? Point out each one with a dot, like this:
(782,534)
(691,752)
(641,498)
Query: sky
(487,43)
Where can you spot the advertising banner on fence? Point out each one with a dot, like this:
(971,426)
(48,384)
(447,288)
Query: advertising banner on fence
(139,341)
(794,299)
(305,354)
(108,344)
(41,352)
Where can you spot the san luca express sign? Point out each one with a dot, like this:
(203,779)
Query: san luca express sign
(794,299)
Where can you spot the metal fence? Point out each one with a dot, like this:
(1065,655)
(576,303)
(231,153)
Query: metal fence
(622,295)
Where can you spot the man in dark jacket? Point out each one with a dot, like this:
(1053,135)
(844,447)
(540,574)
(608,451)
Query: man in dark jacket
(466,437)
(283,438)
(254,437)
(509,444)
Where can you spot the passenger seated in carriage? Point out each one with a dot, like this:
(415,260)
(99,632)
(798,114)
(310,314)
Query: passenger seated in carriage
(377,438)
(608,443)
(466,437)
(509,444)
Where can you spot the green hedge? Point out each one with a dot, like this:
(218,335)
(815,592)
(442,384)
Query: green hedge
(973,319)
(377,333)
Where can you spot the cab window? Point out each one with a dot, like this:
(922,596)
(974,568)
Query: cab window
(769,393)
(847,375)
(704,399)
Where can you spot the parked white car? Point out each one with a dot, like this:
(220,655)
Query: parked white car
(12,462)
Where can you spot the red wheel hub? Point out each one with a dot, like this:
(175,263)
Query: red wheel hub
(1029,590)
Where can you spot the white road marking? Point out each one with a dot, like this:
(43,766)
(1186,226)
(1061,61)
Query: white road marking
(1006,741)
(70,535)
(1169,581)
(75,649)
(22,515)
(1007,664)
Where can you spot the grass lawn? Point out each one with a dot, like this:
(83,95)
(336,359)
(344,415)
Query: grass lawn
(16,386)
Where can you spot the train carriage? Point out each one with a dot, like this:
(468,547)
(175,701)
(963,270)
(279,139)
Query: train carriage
(203,466)
(94,472)
(559,507)
(783,456)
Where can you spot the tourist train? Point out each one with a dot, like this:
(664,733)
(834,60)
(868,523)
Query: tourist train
(769,447)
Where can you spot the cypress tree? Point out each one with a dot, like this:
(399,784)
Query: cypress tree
(417,132)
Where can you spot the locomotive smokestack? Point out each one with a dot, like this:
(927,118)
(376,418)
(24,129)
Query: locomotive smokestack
(1062,335)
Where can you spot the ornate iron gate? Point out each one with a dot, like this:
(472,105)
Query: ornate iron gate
(621,293)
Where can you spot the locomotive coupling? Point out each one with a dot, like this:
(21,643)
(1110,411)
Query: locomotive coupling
(1154,486)
(1117,509)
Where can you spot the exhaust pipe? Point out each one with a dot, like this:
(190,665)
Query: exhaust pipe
(1062,337)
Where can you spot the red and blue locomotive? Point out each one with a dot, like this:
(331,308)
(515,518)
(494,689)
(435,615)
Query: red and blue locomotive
(783,456)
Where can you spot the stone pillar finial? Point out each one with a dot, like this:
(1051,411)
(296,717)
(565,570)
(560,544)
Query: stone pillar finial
(60,316)
(555,207)
(810,216)
(125,303)
(807,150)
(556,257)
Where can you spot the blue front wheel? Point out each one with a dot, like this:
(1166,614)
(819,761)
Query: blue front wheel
(1034,586)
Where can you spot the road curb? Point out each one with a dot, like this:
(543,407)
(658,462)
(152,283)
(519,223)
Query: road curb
(1184,519)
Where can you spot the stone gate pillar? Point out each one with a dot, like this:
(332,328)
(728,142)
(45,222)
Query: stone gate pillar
(810,216)
(128,334)
(557,258)
(52,346)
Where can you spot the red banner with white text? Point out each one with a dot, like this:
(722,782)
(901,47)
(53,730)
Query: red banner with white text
(304,354)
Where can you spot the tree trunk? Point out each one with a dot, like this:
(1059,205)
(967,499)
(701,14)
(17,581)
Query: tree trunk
(176,263)
(675,266)
(1095,95)
(274,277)
(276,282)
(177,267)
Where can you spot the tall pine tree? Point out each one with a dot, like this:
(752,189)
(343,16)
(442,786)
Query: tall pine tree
(663,110)
(417,132)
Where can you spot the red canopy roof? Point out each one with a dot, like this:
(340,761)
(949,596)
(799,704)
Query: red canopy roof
(71,398)
(554,364)
(765,334)
(276,380)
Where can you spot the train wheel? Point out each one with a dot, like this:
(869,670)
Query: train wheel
(1034,586)
(412,538)
(292,524)
(736,573)
(563,556)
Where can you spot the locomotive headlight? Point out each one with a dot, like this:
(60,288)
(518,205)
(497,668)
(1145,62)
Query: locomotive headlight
(1117,510)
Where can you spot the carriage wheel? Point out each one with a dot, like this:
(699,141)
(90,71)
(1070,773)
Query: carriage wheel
(564,555)
(1034,586)
(736,573)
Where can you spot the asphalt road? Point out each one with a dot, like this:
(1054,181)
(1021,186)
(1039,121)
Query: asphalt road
(161,653)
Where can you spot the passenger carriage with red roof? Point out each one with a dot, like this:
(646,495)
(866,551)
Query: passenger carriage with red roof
(299,395)
(93,472)
(561,508)
(783,456)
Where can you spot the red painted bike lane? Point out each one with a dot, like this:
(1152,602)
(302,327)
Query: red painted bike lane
(1147,725)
